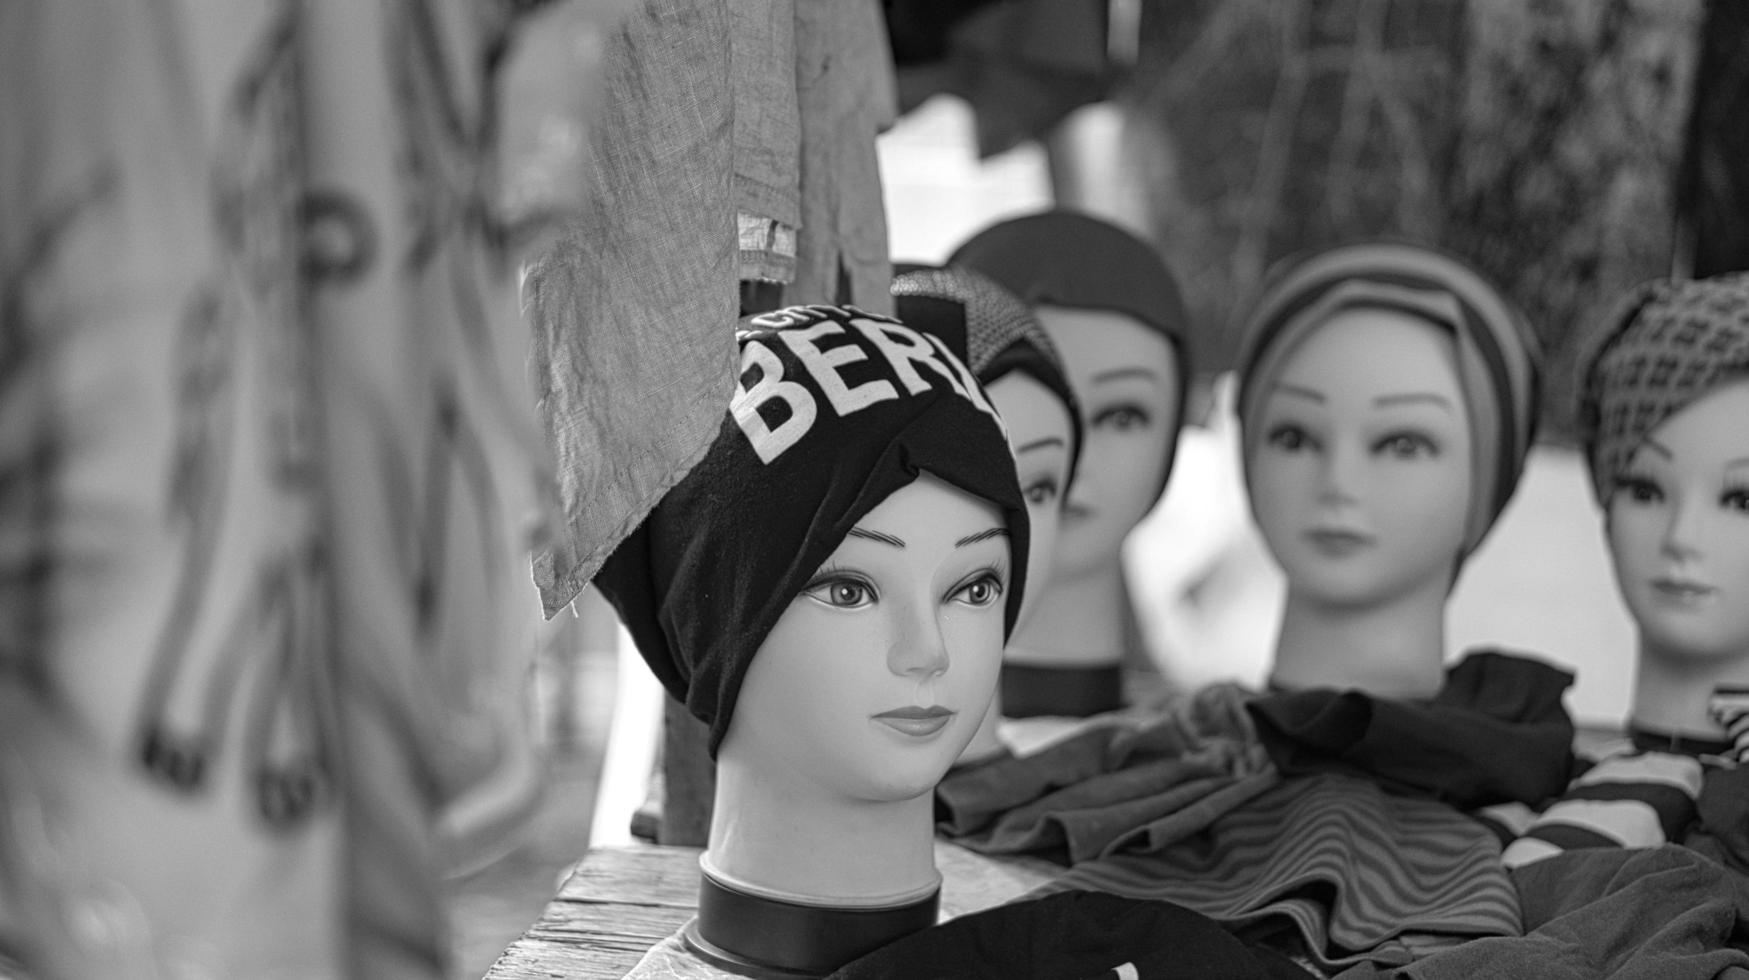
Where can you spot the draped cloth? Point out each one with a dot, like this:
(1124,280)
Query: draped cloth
(1361,875)
(268,488)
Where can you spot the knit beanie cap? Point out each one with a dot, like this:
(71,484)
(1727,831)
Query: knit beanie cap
(836,408)
(1668,343)
(1497,356)
(1076,261)
(995,330)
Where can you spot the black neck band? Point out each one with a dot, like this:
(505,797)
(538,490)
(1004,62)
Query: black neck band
(1652,740)
(771,939)
(1075,692)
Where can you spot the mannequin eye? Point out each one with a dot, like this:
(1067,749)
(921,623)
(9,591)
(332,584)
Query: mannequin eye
(1638,490)
(841,592)
(1122,418)
(981,591)
(1735,498)
(1406,445)
(1289,437)
(1042,491)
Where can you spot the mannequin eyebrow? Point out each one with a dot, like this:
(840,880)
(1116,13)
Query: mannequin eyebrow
(857,532)
(1658,447)
(1301,391)
(1041,444)
(995,532)
(1413,397)
(1117,374)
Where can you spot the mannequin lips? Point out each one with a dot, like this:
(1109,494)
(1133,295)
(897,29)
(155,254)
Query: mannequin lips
(1336,542)
(916,721)
(1681,589)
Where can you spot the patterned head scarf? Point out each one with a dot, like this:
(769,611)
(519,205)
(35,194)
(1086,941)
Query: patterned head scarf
(835,409)
(1668,343)
(1072,260)
(1497,358)
(997,332)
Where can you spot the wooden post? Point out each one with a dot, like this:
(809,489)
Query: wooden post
(689,779)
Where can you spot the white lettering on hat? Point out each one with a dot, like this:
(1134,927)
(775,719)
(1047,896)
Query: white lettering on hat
(770,443)
(824,365)
(902,348)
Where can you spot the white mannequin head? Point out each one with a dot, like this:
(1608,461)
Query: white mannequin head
(1360,479)
(1125,375)
(878,673)
(1678,531)
(1040,431)
(1663,394)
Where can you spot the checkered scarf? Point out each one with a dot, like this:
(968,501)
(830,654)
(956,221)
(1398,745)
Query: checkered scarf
(990,327)
(1668,343)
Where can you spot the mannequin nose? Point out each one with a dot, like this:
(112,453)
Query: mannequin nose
(1683,534)
(1339,475)
(919,649)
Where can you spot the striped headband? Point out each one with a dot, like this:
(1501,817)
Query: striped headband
(1668,343)
(1497,358)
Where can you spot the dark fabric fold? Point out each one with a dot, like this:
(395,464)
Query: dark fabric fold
(1496,732)
(1126,780)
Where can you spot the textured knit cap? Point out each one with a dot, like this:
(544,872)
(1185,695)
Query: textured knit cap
(835,409)
(994,331)
(1076,261)
(1497,358)
(1668,343)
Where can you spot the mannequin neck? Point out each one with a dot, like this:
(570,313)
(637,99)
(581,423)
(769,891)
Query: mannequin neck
(1671,691)
(1079,621)
(775,834)
(1391,649)
(755,935)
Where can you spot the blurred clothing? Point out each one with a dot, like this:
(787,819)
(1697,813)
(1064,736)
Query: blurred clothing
(269,489)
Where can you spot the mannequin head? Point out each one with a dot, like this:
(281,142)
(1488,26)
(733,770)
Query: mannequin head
(1678,527)
(1127,378)
(835,411)
(1360,481)
(1115,314)
(1387,403)
(1663,393)
(1491,350)
(1022,373)
(878,673)
(830,589)
(1042,434)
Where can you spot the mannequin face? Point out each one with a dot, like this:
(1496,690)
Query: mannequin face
(1039,433)
(1126,377)
(1678,528)
(1360,481)
(878,673)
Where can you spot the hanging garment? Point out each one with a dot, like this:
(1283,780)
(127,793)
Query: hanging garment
(845,95)
(634,309)
(276,476)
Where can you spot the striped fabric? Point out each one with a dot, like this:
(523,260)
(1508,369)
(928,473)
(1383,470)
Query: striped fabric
(1730,707)
(1360,874)
(1638,799)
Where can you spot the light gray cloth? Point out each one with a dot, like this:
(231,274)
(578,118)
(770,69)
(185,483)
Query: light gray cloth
(633,312)
(844,80)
